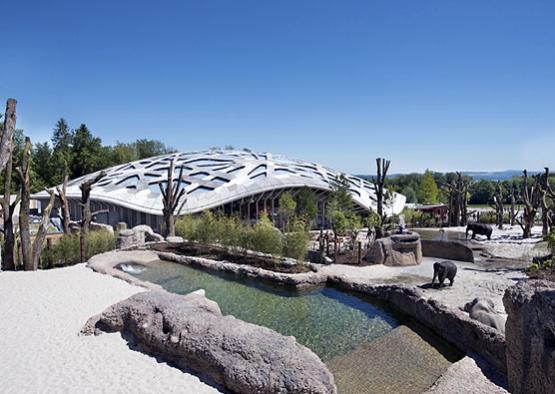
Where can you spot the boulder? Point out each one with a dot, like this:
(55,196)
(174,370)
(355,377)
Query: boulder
(126,239)
(191,332)
(449,250)
(530,336)
(396,250)
(121,226)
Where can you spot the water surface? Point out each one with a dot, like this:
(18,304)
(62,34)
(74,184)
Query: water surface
(328,321)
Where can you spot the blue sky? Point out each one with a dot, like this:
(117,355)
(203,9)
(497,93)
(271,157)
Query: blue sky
(429,84)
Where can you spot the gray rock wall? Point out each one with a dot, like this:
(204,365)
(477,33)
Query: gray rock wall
(191,332)
(449,250)
(530,335)
(453,325)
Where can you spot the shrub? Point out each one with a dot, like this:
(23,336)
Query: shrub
(266,238)
(295,241)
(186,227)
(67,251)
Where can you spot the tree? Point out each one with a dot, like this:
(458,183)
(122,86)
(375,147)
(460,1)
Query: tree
(340,212)
(531,196)
(8,206)
(86,214)
(148,148)
(7,133)
(382,166)
(307,206)
(64,205)
(410,194)
(88,153)
(172,194)
(31,251)
(287,207)
(62,157)
(482,192)
(428,191)
(42,166)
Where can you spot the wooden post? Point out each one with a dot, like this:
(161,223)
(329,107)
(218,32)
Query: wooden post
(359,252)
(335,249)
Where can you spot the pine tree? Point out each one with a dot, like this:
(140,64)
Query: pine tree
(62,139)
(428,191)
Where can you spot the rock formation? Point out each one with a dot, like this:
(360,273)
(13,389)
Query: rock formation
(191,332)
(530,336)
(396,250)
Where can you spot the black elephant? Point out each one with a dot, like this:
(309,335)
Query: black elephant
(479,228)
(444,270)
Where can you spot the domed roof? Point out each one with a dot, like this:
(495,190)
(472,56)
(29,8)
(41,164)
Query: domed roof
(215,177)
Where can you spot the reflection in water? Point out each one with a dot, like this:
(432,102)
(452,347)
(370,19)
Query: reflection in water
(328,321)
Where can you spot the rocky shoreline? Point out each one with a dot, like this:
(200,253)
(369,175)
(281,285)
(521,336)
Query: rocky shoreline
(453,325)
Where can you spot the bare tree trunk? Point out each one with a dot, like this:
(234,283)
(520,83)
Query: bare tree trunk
(30,250)
(8,209)
(531,195)
(171,197)
(498,206)
(6,145)
(382,166)
(86,188)
(513,212)
(64,205)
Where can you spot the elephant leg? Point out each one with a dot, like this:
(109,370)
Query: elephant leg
(442,276)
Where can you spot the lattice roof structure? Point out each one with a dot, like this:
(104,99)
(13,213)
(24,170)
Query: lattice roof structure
(216,177)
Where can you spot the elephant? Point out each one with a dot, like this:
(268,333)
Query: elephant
(479,228)
(483,310)
(443,270)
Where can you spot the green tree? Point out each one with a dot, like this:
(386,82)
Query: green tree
(147,148)
(482,192)
(287,207)
(62,139)
(89,155)
(307,207)
(410,194)
(41,166)
(428,191)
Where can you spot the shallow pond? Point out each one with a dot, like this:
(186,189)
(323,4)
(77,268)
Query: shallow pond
(328,321)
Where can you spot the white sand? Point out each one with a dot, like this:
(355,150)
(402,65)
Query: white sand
(40,350)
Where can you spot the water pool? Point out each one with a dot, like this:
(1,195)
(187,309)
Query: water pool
(328,321)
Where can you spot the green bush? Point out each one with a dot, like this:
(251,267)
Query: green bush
(230,230)
(295,241)
(266,238)
(186,227)
(67,250)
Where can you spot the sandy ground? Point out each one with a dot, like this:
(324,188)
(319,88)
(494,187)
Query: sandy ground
(471,280)
(41,351)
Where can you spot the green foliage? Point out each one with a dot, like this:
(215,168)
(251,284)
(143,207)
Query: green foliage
(287,207)
(266,238)
(307,208)
(428,191)
(340,210)
(481,192)
(88,153)
(295,240)
(231,231)
(410,194)
(66,250)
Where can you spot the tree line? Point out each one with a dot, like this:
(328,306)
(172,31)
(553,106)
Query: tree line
(433,188)
(75,152)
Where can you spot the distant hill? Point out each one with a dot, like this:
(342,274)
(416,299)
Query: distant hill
(488,175)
